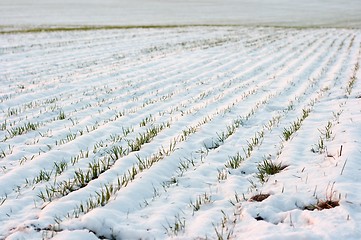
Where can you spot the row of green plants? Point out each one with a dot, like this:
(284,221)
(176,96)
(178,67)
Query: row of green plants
(353,78)
(82,178)
(14,111)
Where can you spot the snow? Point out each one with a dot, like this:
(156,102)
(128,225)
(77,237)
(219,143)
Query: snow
(203,96)
(25,13)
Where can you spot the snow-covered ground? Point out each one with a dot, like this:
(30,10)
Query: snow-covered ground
(28,13)
(173,132)
(162,133)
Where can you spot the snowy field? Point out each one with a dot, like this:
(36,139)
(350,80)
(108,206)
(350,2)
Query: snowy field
(184,133)
(27,13)
(240,131)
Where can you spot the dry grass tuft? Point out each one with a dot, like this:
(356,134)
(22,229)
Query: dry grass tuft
(321,205)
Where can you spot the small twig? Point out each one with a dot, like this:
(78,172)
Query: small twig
(314,192)
(340,151)
(331,191)
(291,222)
(343,167)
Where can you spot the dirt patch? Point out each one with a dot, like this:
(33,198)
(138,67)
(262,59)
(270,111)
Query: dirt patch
(259,197)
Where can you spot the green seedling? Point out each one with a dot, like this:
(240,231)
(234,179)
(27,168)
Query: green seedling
(266,168)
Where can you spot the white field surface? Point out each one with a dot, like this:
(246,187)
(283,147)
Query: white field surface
(129,134)
(20,14)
